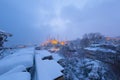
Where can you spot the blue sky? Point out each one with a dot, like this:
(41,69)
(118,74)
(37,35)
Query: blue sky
(34,20)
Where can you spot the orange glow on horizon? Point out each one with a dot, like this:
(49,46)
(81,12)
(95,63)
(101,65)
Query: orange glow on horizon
(53,42)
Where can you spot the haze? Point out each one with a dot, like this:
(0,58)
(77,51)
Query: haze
(32,21)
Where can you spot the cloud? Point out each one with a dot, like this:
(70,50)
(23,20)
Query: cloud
(58,24)
(71,18)
(54,19)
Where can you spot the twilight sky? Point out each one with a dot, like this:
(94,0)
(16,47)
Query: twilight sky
(34,20)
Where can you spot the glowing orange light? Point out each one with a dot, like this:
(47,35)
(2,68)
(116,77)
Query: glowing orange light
(54,42)
(62,43)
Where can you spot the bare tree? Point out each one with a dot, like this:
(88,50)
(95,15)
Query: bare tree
(3,38)
(91,38)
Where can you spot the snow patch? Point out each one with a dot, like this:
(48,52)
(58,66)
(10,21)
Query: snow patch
(16,76)
(100,49)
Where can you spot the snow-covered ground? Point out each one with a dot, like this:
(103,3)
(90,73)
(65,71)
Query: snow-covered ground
(13,67)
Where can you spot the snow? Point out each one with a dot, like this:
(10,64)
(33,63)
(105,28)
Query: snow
(1,30)
(96,68)
(47,69)
(100,44)
(26,50)
(13,67)
(95,45)
(84,69)
(56,57)
(43,53)
(19,68)
(100,49)
(16,76)
(7,64)
(20,57)
(90,61)
(19,52)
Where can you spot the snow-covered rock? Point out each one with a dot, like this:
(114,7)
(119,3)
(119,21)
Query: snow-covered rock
(56,57)
(11,62)
(45,53)
(47,69)
(42,53)
(19,68)
(16,76)
(13,67)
